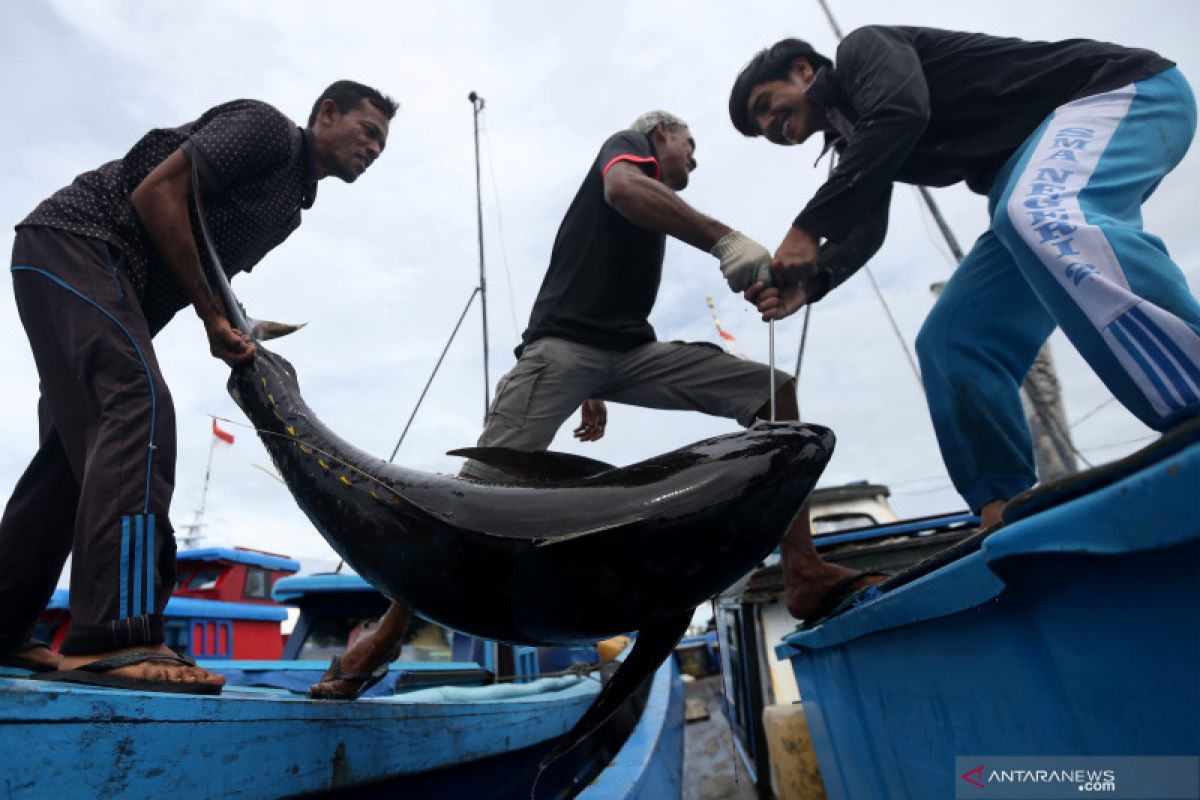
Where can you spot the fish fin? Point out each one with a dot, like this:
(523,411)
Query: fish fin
(265,329)
(653,645)
(537,466)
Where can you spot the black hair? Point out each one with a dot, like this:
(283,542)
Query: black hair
(346,95)
(772,64)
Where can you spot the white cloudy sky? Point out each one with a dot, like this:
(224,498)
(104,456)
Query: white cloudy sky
(381,269)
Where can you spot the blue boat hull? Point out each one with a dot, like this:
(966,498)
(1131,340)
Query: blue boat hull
(650,764)
(67,741)
(1073,632)
(646,765)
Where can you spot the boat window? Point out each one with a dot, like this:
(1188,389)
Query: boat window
(330,635)
(258,584)
(842,522)
(742,676)
(175,636)
(181,578)
(205,578)
(426,642)
(734,689)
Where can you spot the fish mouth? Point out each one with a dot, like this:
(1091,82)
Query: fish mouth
(797,442)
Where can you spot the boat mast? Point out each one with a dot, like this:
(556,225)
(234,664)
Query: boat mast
(1041,392)
(477,104)
(193,536)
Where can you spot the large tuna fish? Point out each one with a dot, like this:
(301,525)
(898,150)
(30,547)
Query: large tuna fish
(573,551)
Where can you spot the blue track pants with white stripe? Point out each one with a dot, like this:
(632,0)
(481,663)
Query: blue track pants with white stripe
(1066,248)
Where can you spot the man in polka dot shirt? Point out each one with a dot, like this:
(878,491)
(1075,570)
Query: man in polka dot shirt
(98,269)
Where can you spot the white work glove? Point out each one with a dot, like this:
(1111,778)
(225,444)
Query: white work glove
(743,261)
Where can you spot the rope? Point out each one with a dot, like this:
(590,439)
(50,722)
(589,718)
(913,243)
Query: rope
(512,305)
(1092,412)
(1121,444)
(579,670)
(939,245)
(436,367)
(350,467)
(912,362)
(803,342)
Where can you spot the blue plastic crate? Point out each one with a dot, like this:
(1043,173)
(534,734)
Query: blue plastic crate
(1074,632)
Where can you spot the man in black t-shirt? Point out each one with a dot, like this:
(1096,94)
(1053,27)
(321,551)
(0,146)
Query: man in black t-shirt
(589,337)
(589,340)
(98,269)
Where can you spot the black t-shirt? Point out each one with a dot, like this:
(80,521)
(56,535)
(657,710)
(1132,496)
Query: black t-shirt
(256,174)
(604,270)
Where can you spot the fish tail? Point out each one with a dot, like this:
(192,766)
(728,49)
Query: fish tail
(652,646)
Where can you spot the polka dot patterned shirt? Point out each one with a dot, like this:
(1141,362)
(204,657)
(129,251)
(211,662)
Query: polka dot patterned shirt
(256,175)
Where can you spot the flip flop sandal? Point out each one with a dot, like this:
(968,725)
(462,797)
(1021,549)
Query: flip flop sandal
(368,679)
(97,674)
(841,596)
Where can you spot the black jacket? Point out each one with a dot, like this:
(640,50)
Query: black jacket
(933,107)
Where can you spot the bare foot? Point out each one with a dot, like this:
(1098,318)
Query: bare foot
(150,670)
(991,514)
(813,586)
(808,593)
(38,656)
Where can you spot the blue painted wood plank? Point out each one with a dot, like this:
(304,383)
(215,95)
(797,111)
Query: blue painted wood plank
(77,742)
(310,665)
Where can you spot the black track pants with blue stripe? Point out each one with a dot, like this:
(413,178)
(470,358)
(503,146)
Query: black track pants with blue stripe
(100,484)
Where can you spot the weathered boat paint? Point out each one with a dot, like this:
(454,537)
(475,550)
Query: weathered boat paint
(79,743)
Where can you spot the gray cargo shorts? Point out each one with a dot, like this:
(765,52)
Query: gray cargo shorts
(554,376)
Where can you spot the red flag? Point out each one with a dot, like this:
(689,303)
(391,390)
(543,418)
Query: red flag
(224,436)
(732,347)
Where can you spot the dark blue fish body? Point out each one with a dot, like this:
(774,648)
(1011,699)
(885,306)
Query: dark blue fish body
(597,552)
(552,562)
(546,563)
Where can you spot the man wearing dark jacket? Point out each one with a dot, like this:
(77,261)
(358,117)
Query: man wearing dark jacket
(98,269)
(1066,139)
